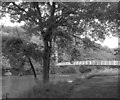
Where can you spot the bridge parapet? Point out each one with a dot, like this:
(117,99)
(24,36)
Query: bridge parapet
(88,62)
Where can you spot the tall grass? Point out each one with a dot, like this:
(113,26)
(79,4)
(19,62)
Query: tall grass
(50,90)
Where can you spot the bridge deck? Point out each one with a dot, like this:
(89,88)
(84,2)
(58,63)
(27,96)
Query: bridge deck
(102,63)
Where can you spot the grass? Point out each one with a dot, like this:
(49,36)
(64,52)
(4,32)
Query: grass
(97,87)
(59,90)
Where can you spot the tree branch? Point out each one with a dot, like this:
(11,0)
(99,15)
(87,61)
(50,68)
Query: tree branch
(52,12)
(53,9)
(83,41)
(39,13)
(25,12)
(86,43)
(62,17)
(50,23)
(38,10)
(19,7)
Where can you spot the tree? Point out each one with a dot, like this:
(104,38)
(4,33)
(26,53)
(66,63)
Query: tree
(117,53)
(19,52)
(48,19)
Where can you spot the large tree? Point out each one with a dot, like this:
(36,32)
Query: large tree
(50,18)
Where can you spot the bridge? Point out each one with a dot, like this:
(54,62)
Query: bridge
(91,62)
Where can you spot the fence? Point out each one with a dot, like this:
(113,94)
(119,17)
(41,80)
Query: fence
(88,62)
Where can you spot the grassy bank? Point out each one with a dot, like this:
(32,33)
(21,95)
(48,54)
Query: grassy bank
(94,84)
(102,86)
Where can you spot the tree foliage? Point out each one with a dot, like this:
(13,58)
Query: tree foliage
(18,51)
(117,53)
(59,18)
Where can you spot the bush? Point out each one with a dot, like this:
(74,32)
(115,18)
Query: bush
(65,66)
(52,71)
(58,90)
(69,70)
(72,70)
(114,66)
(84,69)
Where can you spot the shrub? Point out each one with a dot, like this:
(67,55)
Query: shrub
(84,69)
(114,66)
(64,66)
(52,71)
(69,70)
(72,70)
(58,90)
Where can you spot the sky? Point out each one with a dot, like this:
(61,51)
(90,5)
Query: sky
(111,42)
(6,21)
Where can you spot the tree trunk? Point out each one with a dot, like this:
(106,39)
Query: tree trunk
(46,60)
(56,54)
(32,68)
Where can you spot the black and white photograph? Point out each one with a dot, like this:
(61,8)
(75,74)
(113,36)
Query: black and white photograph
(59,49)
